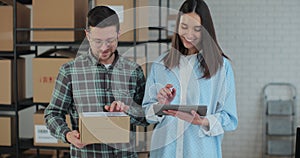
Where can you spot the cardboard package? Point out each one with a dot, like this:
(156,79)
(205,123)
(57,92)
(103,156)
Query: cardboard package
(6,80)
(143,137)
(59,14)
(104,127)
(143,154)
(126,15)
(45,70)
(6,27)
(7,136)
(42,136)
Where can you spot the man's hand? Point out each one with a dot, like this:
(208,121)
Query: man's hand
(74,138)
(117,106)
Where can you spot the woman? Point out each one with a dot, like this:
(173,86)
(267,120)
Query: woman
(194,72)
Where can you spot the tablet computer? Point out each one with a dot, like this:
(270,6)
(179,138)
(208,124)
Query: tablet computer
(159,108)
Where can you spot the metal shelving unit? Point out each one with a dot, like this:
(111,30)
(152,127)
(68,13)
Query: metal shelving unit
(22,144)
(13,109)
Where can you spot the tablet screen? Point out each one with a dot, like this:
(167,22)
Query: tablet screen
(159,108)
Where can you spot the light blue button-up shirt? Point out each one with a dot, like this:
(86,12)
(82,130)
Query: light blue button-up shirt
(191,141)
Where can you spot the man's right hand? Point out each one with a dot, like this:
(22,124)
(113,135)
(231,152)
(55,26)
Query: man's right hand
(74,138)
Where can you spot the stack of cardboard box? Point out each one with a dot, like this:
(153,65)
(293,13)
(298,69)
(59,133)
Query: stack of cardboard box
(60,14)
(42,136)
(45,68)
(56,14)
(8,129)
(7,89)
(126,12)
(6,27)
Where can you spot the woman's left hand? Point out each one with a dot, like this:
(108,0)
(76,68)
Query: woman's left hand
(192,117)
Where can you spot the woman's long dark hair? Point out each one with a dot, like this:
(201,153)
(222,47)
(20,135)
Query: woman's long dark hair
(211,60)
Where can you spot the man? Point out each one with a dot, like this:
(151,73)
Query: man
(100,80)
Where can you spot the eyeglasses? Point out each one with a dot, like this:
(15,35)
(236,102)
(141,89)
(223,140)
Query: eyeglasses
(99,43)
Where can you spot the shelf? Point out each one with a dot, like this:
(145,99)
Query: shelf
(25,1)
(11,53)
(27,143)
(281,136)
(7,149)
(78,43)
(281,115)
(25,104)
(13,109)
(50,29)
(278,156)
(160,41)
(49,43)
(24,145)
(42,104)
(157,28)
(129,44)
(22,105)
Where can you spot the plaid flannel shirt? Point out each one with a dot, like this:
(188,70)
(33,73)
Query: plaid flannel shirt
(85,85)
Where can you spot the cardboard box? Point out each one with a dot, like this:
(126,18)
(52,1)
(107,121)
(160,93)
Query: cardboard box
(8,129)
(126,15)
(42,136)
(6,27)
(6,80)
(143,137)
(171,25)
(59,14)
(104,127)
(143,154)
(45,70)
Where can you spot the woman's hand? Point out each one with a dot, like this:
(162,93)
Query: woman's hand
(166,94)
(192,117)
(117,106)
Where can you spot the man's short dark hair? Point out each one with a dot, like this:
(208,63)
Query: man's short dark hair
(103,16)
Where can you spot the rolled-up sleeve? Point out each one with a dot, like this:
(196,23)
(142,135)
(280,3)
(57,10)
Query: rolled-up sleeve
(55,113)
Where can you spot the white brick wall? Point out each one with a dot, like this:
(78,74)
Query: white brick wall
(262,39)
(260,36)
